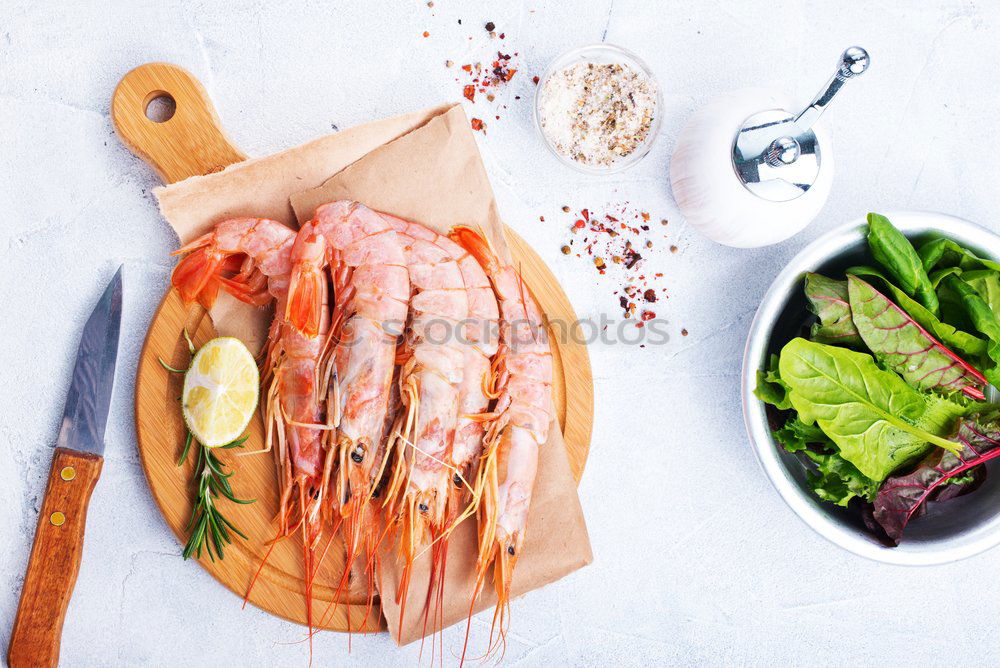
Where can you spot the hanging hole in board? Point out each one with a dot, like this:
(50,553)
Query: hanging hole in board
(160,107)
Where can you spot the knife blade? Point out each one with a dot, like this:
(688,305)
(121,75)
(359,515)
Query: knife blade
(76,465)
(86,415)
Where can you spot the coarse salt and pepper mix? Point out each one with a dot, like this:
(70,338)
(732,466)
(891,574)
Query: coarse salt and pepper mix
(597,113)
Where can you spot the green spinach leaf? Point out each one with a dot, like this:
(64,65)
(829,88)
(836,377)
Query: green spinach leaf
(952,254)
(894,252)
(876,419)
(983,319)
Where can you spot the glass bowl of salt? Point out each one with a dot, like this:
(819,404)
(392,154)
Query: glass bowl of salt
(598,108)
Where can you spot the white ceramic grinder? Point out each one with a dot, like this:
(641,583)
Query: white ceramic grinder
(746,172)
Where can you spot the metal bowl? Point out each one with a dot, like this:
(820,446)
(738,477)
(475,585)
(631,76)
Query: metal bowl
(950,531)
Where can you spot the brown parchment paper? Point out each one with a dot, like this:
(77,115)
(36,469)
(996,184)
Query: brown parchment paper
(435,176)
(423,166)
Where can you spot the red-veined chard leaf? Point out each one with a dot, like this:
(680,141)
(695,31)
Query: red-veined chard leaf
(894,252)
(828,300)
(878,422)
(902,496)
(907,348)
(949,335)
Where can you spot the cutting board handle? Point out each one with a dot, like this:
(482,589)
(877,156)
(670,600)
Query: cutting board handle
(189,143)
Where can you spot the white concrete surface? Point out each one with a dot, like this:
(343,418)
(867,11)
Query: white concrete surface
(697,561)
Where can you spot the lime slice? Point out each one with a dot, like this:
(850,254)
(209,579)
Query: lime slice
(220,391)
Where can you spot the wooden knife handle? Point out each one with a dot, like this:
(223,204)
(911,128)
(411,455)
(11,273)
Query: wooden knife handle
(189,143)
(55,559)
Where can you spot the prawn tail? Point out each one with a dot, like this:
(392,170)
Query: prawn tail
(478,246)
(197,274)
(304,307)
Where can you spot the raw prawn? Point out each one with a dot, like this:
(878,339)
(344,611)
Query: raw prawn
(515,429)
(272,259)
(478,336)
(433,361)
(371,296)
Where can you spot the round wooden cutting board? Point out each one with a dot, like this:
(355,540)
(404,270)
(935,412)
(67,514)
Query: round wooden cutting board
(192,142)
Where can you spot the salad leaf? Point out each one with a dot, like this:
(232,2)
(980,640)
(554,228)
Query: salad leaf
(952,337)
(952,254)
(796,436)
(834,479)
(828,300)
(894,252)
(876,419)
(900,497)
(906,347)
(770,388)
(983,319)
(837,480)
(987,283)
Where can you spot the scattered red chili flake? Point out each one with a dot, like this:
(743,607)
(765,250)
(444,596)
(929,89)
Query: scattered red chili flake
(541,218)
(611,241)
(673,249)
(426,34)
(467,68)
(470,93)
(534,79)
(477,124)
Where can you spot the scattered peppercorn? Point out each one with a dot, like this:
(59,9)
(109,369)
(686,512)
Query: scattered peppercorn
(565,209)
(684,332)
(489,26)
(649,244)
(448,63)
(565,250)
(673,249)
(664,221)
(430,3)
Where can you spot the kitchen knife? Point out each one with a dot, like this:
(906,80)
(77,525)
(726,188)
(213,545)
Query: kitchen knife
(76,466)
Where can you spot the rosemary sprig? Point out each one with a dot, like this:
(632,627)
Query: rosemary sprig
(208,528)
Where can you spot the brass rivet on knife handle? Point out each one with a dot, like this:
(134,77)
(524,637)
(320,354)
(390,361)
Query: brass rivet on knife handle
(54,561)
(190,142)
